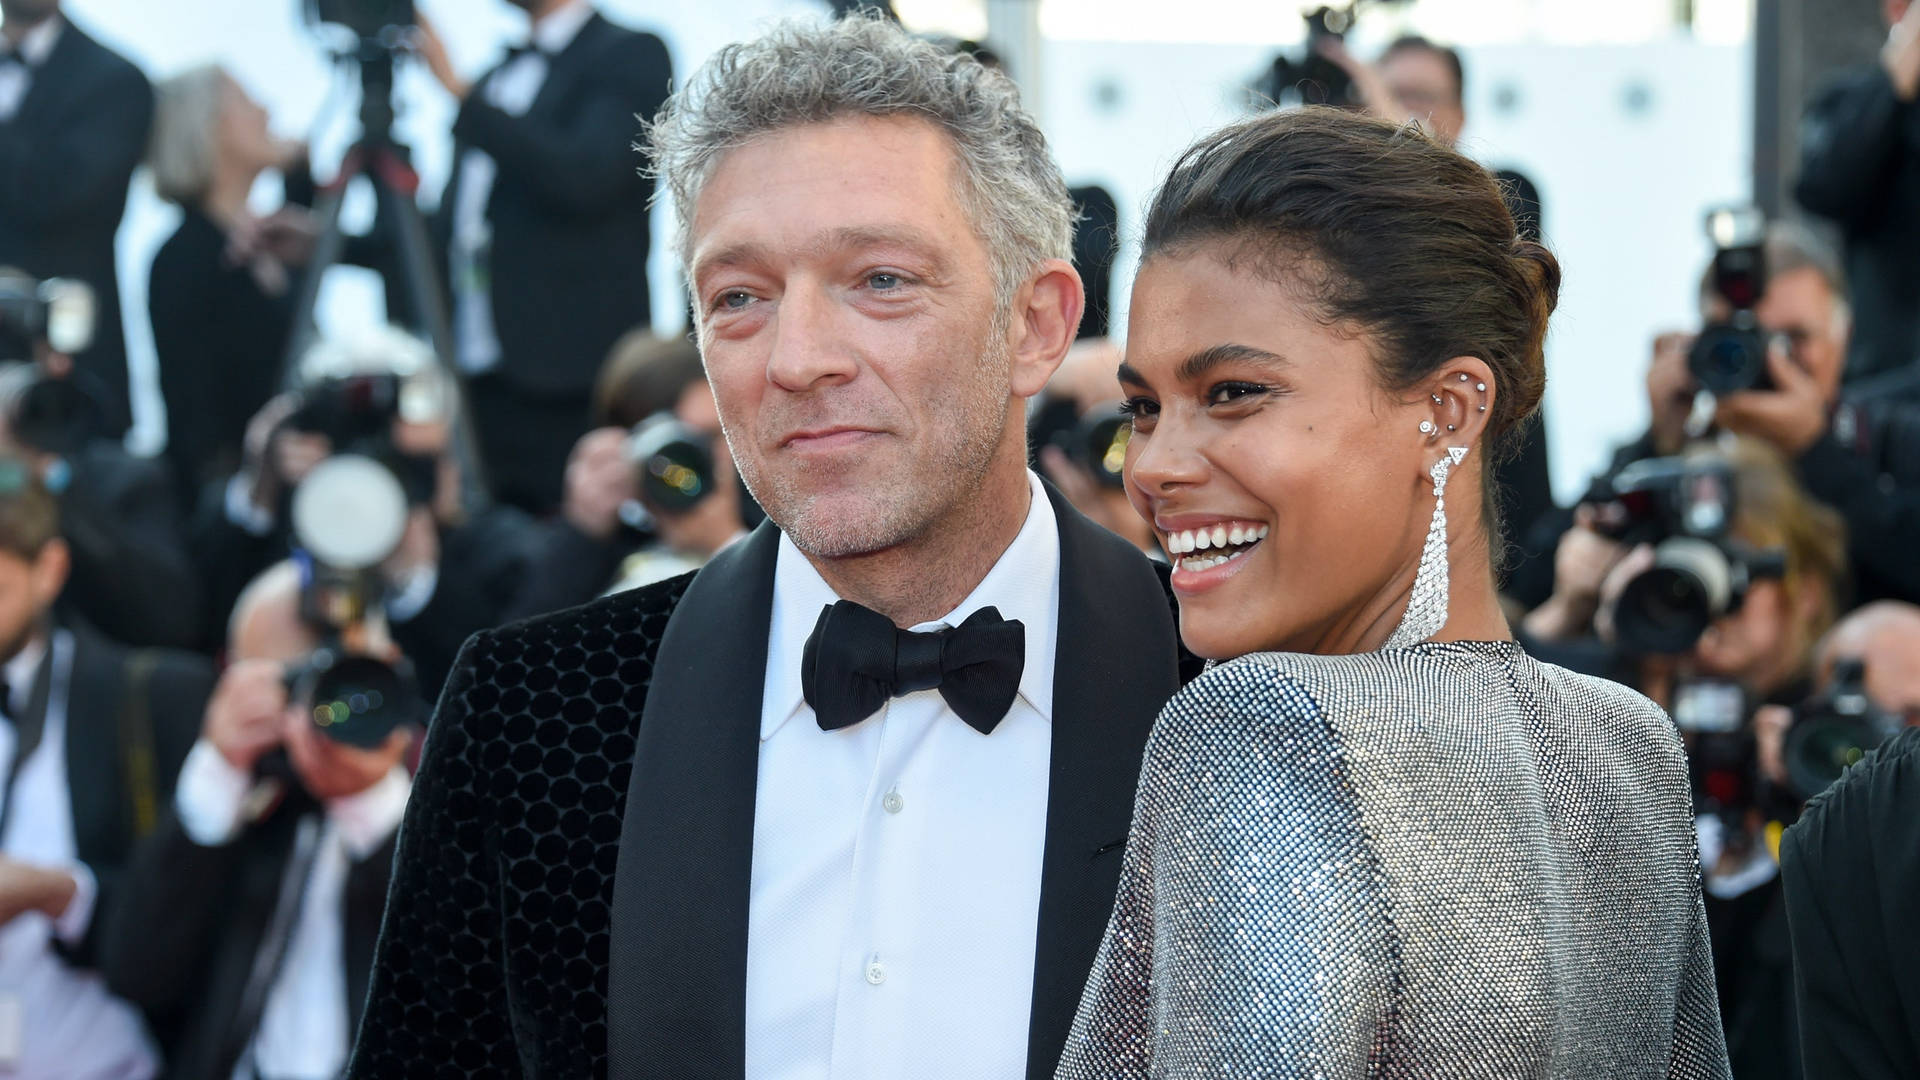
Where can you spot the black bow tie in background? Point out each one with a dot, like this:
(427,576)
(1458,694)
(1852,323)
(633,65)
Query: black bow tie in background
(856,659)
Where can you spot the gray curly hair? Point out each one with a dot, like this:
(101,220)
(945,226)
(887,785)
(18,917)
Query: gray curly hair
(805,72)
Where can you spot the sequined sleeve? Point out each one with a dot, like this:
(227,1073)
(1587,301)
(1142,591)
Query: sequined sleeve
(1699,1041)
(1251,935)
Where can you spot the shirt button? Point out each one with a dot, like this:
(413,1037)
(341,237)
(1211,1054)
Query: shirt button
(892,803)
(876,974)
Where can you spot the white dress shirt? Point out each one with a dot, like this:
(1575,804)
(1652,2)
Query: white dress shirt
(57,1021)
(511,89)
(16,72)
(305,1032)
(896,862)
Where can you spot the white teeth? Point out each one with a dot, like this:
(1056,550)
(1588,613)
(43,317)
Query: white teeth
(1203,539)
(1262,534)
(1220,536)
(1235,535)
(1217,537)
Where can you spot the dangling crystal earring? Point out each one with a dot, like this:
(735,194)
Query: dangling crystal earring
(1427,607)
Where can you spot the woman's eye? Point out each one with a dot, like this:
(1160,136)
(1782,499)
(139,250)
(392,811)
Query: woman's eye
(1228,393)
(1135,407)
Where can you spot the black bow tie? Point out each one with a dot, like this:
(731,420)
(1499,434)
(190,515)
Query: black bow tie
(856,659)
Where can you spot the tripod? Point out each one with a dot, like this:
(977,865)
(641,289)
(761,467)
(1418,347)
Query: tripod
(400,241)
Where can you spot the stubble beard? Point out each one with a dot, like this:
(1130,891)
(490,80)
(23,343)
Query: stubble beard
(911,504)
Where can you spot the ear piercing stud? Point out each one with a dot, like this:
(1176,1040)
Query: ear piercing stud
(1426,427)
(1436,399)
(1479,386)
(1449,427)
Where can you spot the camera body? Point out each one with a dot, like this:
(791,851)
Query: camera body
(1312,79)
(366,18)
(1833,730)
(1731,356)
(57,312)
(1685,509)
(1096,441)
(356,413)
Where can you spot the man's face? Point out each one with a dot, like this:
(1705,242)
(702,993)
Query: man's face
(847,318)
(1422,82)
(27,589)
(1799,305)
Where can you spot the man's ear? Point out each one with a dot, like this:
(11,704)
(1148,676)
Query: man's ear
(1041,328)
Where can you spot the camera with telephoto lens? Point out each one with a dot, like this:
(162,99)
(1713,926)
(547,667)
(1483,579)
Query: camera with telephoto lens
(1685,508)
(1097,442)
(367,18)
(673,463)
(57,312)
(1731,356)
(1834,729)
(348,516)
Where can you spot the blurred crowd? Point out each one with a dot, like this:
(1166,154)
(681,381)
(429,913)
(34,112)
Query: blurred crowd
(216,664)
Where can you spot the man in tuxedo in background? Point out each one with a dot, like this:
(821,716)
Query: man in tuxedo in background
(850,800)
(73,124)
(91,735)
(252,910)
(545,227)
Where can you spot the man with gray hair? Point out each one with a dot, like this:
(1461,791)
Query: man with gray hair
(848,802)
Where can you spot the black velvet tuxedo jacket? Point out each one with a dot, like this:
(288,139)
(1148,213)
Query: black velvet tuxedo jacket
(571,894)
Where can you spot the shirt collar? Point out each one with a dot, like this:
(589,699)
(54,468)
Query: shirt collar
(1024,584)
(21,671)
(39,42)
(554,32)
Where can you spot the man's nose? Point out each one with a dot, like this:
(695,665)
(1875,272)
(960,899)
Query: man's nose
(808,346)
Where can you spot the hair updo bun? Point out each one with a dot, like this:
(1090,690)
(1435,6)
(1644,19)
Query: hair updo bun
(1382,229)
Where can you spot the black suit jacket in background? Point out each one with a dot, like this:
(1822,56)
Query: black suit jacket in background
(196,918)
(571,893)
(1851,871)
(66,158)
(119,788)
(568,206)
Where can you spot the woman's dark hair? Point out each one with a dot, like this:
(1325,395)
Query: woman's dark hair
(1381,229)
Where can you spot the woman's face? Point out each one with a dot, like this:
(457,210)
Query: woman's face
(1257,424)
(243,132)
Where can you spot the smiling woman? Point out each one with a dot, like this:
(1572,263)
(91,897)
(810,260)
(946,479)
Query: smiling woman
(1379,839)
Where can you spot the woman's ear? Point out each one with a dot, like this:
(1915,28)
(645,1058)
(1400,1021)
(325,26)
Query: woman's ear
(1459,399)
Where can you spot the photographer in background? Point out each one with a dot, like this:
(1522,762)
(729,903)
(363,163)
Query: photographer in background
(249,930)
(221,290)
(383,396)
(1851,871)
(546,233)
(73,125)
(1716,596)
(623,524)
(1860,167)
(91,735)
(132,577)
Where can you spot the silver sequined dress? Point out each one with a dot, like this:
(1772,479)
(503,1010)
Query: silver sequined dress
(1449,860)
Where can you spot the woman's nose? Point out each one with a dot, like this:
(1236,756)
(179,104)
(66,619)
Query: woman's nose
(1168,457)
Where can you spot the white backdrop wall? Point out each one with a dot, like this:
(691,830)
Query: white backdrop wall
(1628,144)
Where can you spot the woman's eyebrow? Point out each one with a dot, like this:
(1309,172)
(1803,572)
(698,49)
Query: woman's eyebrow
(1199,363)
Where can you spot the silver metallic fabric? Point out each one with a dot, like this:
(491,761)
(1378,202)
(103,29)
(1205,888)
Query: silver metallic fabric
(1449,860)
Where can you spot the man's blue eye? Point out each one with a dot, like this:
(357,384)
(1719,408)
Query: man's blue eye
(884,281)
(734,301)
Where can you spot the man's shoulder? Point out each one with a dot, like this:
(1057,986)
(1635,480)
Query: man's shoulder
(628,624)
(107,65)
(1871,801)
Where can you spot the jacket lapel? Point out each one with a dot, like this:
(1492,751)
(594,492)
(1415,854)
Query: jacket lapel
(678,962)
(1116,665)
